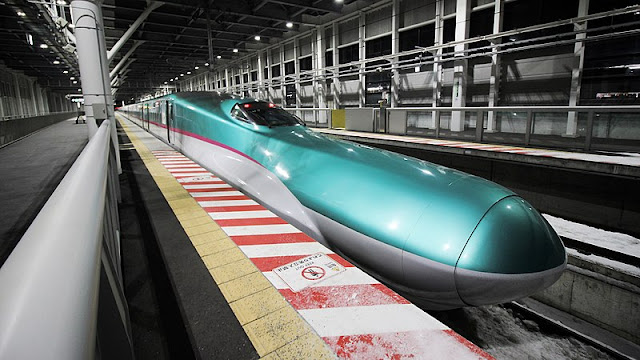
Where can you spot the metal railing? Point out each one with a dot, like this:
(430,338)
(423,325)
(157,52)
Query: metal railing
(315,117)
(26,116)
(577,127)
(62,291)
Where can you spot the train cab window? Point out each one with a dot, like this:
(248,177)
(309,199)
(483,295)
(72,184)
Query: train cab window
(266,114)
(237,113)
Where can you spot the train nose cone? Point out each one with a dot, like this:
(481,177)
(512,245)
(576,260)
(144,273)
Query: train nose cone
(512,253)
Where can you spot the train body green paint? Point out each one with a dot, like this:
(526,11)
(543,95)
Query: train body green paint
(430,211)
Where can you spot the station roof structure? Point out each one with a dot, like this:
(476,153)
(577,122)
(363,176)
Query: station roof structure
(170,40)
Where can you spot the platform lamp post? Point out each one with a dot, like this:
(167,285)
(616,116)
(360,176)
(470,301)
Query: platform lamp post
(94,67)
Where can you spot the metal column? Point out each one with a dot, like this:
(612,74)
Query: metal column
(463,13)
(576,72)
(94,66)
(437,65)
(494,80)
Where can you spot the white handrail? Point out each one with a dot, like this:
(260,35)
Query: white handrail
(49,284)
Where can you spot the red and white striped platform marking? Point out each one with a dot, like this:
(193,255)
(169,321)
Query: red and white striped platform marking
(357,316)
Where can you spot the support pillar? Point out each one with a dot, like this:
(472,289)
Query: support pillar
(16,83)
(494,80)
(283,87)
(576,72)
(94,67)
(296,66)
(395,49)
(269,81)
(320,83)
(362,55)
(437,65)
(336,71)
(260,75)
(460,65)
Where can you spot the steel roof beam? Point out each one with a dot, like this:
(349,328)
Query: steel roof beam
(132,29)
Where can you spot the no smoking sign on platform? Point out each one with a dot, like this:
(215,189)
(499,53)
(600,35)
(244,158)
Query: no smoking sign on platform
(308,271)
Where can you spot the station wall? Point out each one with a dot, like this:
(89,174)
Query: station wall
(21,97)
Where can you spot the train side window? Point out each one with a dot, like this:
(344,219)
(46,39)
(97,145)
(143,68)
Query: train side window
(237,113)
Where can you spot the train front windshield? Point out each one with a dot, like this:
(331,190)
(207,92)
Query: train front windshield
(268,114)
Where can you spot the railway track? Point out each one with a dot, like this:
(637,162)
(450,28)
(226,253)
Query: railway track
(559,327)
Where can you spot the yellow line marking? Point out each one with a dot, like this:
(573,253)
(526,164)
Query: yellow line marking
(275,328)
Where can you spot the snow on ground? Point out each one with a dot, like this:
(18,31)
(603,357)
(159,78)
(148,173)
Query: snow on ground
(630,159)
(606,239)
(503,334)
(608,263)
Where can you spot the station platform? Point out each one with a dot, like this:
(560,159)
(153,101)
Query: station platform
(30,170)
(224,254)
(609,163)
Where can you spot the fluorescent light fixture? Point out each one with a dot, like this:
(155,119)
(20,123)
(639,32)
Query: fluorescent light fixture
(176,78)
(75,82)
(188,72)
(56,62)
(235,50)
(65,72)
(170,79)
(181,74)
(44,46)
(206,64)
(165,82)
(79,89)
(219,57)
(257,37)
(21,13)
(198,67)
(72,78)
(289,24)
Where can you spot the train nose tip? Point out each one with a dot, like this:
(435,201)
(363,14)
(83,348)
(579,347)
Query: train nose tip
(512,253)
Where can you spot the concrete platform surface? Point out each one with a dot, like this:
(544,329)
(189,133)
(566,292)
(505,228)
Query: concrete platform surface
(241,243)
(624,164)
(30,169)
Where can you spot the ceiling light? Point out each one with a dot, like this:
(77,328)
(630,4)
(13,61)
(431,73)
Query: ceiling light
(171,80)
(65,72)
(43,46)
(75,82)
(257,37)
(219,57)
(21,14)
(79,89)
(176,78)
(72,78)
(289,24)
(197,67)
(56,62)
(181,74)
(235,50)
(206,64)
(165,82)
(188,72)
(339,1)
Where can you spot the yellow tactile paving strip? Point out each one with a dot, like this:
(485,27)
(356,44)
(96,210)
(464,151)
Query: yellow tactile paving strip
(276,330)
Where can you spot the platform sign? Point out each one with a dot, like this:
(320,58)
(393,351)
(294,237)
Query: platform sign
(308,271)
(198,178)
